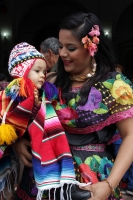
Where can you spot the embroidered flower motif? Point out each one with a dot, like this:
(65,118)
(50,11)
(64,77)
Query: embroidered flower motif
(91,43)
(105,168)
(93,101)
(122,92)
(93,162)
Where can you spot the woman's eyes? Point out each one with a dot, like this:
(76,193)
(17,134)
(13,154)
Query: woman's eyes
(69,48)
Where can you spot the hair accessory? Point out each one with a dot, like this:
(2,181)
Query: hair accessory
(112,189)
(22,58)
(92,41)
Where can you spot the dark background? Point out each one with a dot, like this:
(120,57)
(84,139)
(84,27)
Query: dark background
(34,20)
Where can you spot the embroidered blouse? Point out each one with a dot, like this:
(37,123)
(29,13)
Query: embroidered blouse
(109,101)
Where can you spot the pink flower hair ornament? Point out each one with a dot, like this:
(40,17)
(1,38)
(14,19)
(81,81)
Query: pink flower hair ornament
(91,42)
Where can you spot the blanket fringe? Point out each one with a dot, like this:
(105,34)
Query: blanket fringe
(67,191)
(39,195)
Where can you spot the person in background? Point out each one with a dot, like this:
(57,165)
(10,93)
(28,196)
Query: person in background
(119,68)
(50,49)
(126,184)
(3,81)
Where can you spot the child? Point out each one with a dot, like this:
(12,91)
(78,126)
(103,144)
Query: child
(25,111)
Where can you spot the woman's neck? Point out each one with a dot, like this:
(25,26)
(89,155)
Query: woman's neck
(77,84)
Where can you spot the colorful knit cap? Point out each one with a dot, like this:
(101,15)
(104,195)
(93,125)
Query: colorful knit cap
(21,59)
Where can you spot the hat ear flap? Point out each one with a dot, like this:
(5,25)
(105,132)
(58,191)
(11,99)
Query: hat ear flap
(22,88)
(7,131)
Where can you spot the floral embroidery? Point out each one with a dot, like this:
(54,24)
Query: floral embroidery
(122,92)
(95,168)
(94,99)
(101,108)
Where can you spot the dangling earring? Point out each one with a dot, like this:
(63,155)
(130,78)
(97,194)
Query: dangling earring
(93,65)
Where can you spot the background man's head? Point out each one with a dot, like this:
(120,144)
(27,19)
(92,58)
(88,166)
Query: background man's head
(49,48)
(3,78)
(3,81)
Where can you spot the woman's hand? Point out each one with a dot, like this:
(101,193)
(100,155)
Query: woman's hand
(99,191)
(21,148)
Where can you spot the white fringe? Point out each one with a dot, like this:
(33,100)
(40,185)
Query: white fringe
(49,194)
(61,193)
(67,192)
(39,195)
(54,194)
(70,191)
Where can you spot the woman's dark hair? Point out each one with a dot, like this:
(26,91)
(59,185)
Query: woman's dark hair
(3,77)
(81,24)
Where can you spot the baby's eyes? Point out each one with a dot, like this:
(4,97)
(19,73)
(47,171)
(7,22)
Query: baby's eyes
(38,71)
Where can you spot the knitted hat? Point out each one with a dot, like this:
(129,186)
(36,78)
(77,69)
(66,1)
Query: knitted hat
(22,58)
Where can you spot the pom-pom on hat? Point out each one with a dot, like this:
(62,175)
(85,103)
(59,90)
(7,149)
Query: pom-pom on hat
(22,58)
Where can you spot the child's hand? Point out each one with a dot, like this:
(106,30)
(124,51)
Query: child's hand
(36,95)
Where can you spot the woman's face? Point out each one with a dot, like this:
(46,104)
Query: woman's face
(75,57)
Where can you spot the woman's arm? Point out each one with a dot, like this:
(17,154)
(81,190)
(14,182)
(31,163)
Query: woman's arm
(101,190)
(125,155)
(21,147)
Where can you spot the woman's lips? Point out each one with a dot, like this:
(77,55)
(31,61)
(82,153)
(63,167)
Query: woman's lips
(66,62)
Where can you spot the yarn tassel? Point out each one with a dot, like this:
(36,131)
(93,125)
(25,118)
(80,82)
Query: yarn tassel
(7,131)
(13,88)
(7,134)
(23,87)
(20,87)
(26,87)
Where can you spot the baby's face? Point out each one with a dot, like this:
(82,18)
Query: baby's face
(37,73)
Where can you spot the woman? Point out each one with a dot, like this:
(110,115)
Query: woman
(93,100)
(94,97)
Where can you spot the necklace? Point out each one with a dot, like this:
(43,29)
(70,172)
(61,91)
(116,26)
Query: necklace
(82,78)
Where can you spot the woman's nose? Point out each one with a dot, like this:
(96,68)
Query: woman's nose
(63,52)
